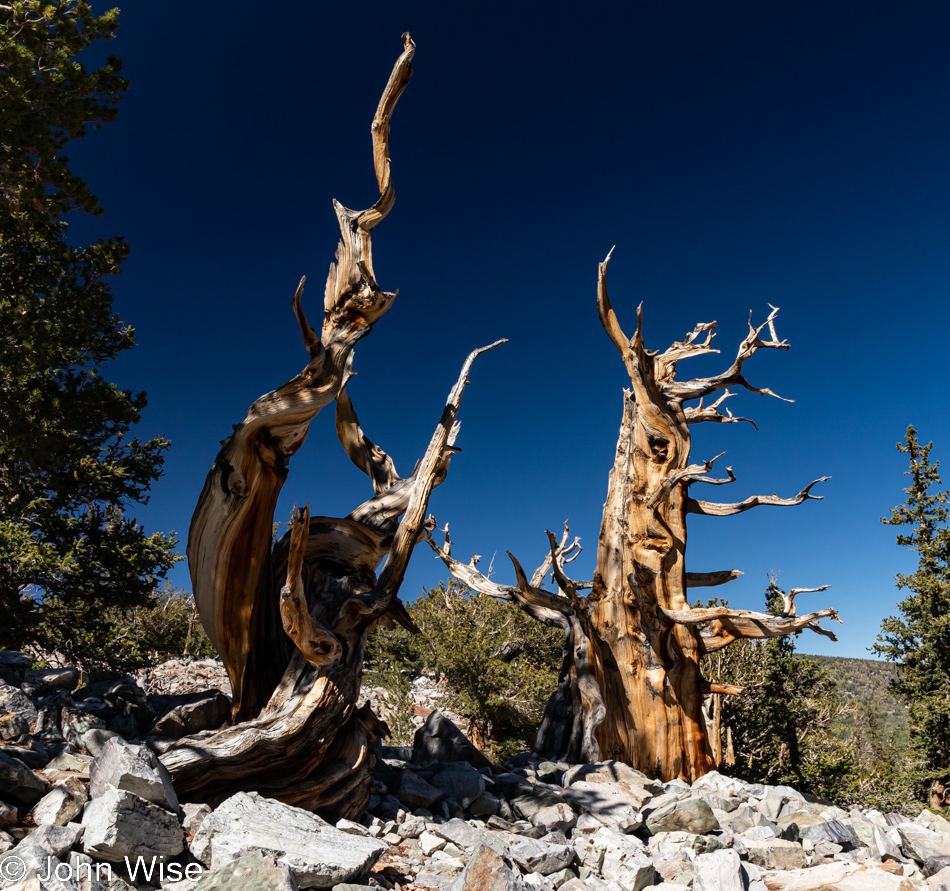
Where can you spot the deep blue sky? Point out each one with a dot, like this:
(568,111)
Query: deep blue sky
(737,153)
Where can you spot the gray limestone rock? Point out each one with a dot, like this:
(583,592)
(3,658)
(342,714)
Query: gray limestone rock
(886,846)
(27,862)
(613,804)
(253,871)
(486,805)
(57,840)
(486,871)
(745,817)
(120,824)
(610,772)
(57,678)
(465,836)
(461,781)
(933,821)
(75,723)
(318,855)
(132,768)
(18,783)
(689,815)
(922,843)
(192,713)
(777,798)
(666,844)
(775,853)
(555,818)
(415,792)
(616,857)
(17,712)
(541,857)
(94,740)
(440,740)
(719,871)
(61,804)
(194,815)
(828,830)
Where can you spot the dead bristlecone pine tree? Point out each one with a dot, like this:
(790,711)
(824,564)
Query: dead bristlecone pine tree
(631,686)
(290,620)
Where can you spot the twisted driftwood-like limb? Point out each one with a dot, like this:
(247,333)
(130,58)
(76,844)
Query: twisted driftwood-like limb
(310,738)
(295,658)
(229,540)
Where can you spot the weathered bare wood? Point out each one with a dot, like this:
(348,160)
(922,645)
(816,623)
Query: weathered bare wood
(710,579)
(709,687)
(642,643)
(317,644)
(229,537)
(712,509)
(295,659)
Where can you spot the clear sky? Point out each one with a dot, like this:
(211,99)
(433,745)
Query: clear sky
(736,153)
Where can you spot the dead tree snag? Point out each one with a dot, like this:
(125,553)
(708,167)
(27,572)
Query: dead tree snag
(290,621)
(631,686)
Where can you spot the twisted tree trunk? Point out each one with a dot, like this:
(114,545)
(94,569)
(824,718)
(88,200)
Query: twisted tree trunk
(291,621)
(631,685)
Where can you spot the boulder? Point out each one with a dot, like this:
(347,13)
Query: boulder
(440,740)
(318,854)
(191,713)
(18,783)
(415,792)
(33,753)
(486,871)
(610,772)
(459,780)
(613,804)
(132,768)
(555,818)
(61,804)
(17,712)
(775,853)
(828,830)
(465,836)
(57,840)
(13,666)
(194,815)
(619,858)
(933,821)
(691,814)
(56,678)
(253,871)
(719,871)
(75,723)
(120,824)
(541,857)
(922,843)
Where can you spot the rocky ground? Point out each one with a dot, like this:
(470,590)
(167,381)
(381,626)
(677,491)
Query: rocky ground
(85,804)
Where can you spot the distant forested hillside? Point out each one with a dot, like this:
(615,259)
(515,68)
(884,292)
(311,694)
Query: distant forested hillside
(863,683)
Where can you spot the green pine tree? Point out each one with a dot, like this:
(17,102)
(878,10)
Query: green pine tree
(780,726)
(918,639)
(69,470)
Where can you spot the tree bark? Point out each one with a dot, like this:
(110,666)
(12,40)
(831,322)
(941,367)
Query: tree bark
(631,686)
(290,620)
